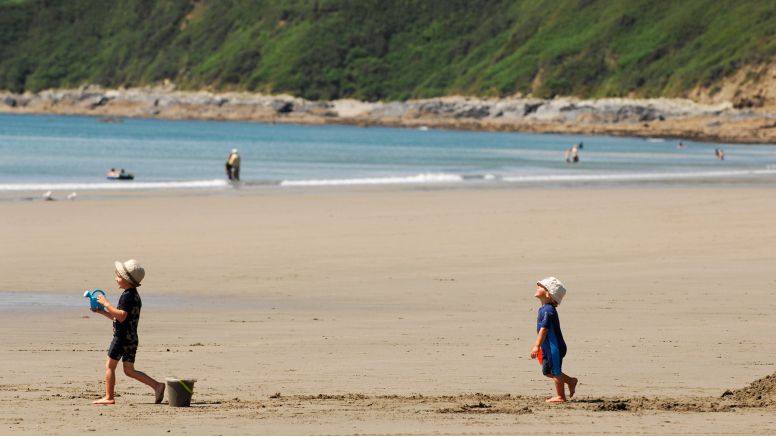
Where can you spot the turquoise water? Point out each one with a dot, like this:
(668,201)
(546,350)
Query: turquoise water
(40,152)
(22,301)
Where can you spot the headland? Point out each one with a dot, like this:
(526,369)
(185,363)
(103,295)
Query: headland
(728,121)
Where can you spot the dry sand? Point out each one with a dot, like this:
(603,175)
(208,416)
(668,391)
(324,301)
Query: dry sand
(398,310)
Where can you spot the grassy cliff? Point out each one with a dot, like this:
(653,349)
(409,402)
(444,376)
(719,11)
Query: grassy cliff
(386,49)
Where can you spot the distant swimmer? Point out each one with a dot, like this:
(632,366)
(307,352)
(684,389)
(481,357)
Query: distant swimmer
(720,154)
(581,145)
(568,154)
(680,146)
(233,166)
(575,154)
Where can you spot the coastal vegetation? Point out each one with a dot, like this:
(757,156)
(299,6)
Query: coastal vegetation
(387,49)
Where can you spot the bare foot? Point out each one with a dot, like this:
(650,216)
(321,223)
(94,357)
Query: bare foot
(556,400)
(159,391)
(572,386)
(104,401)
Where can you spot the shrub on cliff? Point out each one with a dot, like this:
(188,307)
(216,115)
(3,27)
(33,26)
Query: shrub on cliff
(386,49)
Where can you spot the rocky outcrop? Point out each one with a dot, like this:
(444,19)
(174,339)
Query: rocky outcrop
(728,121)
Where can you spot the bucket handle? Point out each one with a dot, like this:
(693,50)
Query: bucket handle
(180,381)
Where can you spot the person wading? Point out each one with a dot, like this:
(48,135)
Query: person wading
(233,166)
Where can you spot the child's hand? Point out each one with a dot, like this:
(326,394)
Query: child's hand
(102,300)
(535,352)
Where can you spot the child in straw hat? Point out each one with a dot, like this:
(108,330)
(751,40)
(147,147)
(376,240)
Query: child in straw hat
(125,318)
(550,347)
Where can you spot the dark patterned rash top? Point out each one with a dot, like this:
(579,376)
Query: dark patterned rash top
(131,303)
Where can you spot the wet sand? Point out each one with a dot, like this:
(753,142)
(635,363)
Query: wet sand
(397,310)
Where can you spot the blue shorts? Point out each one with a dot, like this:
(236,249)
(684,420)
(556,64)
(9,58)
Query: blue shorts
(551,363)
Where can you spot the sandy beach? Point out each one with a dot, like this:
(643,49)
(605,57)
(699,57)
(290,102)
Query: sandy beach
(397,310)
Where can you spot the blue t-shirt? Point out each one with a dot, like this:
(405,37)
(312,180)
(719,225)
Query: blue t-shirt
(553,346)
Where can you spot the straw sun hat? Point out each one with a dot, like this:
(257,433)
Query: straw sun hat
(131,271)
(555,287)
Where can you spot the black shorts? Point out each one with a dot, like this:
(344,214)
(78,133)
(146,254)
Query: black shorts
(121,349)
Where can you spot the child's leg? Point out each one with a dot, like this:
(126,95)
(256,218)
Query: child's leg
(560,389)
(559,381)
(110,382)
(129,370)
(571,382)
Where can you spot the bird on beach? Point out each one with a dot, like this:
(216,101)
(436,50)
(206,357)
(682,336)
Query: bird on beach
(47,196)
(72,196)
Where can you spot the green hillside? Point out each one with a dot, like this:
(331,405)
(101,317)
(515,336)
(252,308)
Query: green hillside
(386,49)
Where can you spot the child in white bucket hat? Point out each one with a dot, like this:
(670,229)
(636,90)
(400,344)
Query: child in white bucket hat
(550,347)
(126,317)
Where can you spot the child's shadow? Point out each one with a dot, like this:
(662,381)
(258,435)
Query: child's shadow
(201,404)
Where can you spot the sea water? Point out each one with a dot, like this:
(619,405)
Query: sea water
(52,152)
(24,300)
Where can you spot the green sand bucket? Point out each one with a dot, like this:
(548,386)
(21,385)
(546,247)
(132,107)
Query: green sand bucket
(179,391)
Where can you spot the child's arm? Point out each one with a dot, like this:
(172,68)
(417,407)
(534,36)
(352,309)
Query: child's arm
(539,340)
(104,313)
(113,312)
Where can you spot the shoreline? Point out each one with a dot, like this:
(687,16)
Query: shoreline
(86,194)
(646,118)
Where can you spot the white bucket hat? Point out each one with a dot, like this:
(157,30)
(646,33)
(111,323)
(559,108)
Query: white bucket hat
(131,271)
(555,287)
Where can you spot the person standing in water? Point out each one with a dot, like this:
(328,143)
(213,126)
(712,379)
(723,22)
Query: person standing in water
(233,166)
